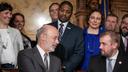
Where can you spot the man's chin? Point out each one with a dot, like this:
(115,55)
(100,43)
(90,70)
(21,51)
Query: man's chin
(52,50)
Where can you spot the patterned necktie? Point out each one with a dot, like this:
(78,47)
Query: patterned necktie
(46,61)
(109,65)
(61,31)
(126,46)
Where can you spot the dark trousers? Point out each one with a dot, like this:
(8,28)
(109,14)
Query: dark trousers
(7,65)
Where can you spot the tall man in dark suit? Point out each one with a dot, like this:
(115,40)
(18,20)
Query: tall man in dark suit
(70,50)
(38,59)
(124,35)
(111,60)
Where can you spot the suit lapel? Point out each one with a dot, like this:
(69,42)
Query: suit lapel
(122,47)
(67,31)
(51,68)
(103,64)
(37,57)
(118,63)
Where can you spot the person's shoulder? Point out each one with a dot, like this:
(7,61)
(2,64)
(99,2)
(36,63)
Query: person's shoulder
(26,51)
(97,57)
(13,30)
(55,57)
(75,26)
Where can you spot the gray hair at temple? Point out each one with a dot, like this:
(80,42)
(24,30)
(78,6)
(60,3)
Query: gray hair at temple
(41,30)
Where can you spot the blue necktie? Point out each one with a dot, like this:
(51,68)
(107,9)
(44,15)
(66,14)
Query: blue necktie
(109,65)
(61,31)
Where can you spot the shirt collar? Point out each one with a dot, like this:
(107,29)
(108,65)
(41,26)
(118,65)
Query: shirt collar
(65,23)
(115,56)
(41,51)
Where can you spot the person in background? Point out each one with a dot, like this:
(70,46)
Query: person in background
(70,49)
(111,22)
(91,37)
(110,60)
(53,11)
(39,59)
(10,39)
(124,35)
(18,21)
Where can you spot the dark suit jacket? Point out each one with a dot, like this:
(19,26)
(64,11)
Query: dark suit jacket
(29,60)
(70,50)
(98,64)
(122,48)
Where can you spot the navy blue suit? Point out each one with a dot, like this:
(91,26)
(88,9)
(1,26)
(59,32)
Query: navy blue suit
(70,50)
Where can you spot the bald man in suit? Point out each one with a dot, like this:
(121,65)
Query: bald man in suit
(33,60)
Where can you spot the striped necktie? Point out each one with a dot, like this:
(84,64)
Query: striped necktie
(61,31)
(46,61)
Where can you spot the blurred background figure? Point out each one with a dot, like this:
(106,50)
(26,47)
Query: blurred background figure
(93,4)
(124,35)
(91,37)
(111,22)
(53,11)
(18,21)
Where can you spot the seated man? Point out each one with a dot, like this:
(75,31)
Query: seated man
(111,60)
(38,59)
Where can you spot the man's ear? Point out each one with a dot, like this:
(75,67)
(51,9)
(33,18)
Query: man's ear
(115,45)
(43,36)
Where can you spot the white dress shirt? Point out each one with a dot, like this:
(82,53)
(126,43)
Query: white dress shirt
(64,27)
(113,58)
(41,51)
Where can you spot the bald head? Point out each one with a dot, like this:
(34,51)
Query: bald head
(48,38)
(46,29)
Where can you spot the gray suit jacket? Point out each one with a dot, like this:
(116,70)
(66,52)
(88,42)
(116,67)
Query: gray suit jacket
(29,60)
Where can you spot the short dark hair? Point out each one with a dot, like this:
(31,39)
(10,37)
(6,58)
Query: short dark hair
(113,15)
(67,3)
(5,6)
(125,16)
(53,4)
(11,23)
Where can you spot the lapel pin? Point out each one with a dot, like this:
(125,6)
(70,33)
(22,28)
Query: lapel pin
(120,62)
(68,28)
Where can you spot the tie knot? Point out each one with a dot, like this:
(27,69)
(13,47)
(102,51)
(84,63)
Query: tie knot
(109,59)
(46,54)
(61,24)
